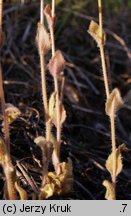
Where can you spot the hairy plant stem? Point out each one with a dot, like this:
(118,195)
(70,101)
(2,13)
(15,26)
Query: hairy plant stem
(44,97)
(53,8)
(56,86)
(106,83)
(1,8)
(112,120)
(10,175)
(102,50)
(1,33)
(7,165)
(104,71)
(42,11)
(43,79)
(5,117)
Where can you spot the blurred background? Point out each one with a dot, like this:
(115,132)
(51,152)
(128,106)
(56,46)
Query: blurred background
(86,132)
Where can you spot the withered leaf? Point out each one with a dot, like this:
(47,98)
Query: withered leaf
(48,15)
(57,184)
(52,103)
(40,141)
(66,176)
(47,191)
(4,155)
(57,64)
(42,39)
(109,162)
(62,115)
(110,190)
(114,102)
(55,158)
(12,112)
(46,147)
(95,32)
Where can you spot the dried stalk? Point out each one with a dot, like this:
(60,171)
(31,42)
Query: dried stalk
(42,11)
(112,121)
(6,163)
(112,117)
(10,175)
(43,78)
(1,8)
(113,99)
(5,117)
(1,33)
(101,46)
(56,85)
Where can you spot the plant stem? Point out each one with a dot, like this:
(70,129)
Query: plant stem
(102,50)
(43,79)
(8,168)
(44,95)
(5,118)
(53,8)
(104,71)
(10,180)
(56,86)
(112,120)
(1,8)
(100,17)
(106,83)
(42,11)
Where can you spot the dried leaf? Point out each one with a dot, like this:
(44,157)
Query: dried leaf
(12,112)
(110,190)
(52,103)
(49,17)
(4,156)
(57,64)
(109,162)
(62,115)
(55,159)
(46,147)
(71,93)
(66,176)
(47,191)
(42,39)
(95,32)
(21,191)
(40,141)
(114,102)
(122,148)
(57,184)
